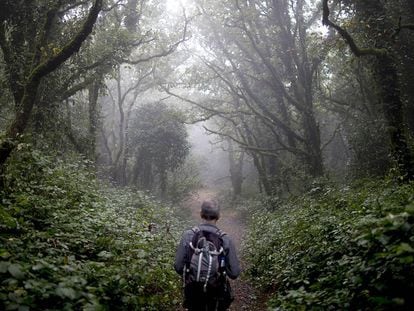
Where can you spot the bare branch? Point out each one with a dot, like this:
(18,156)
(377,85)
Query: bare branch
(206,118)
(137,84)
(216,111)
(78,87)
(263,151)
(167,52)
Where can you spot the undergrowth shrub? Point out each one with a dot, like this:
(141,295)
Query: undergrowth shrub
(348,248)
(68,242)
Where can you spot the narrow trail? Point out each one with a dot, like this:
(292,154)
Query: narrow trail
(230,222)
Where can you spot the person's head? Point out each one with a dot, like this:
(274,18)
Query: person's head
(210,210)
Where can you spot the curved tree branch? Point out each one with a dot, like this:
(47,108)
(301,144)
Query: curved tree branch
(69,49)
(347,37)
(164,53)
(32,83)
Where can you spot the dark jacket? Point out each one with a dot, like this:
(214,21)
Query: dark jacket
(232,262)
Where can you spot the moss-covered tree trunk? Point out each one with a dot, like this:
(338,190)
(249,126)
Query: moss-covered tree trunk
(93,90)
(406,63)
(380,28)
(26,88)
(387,79)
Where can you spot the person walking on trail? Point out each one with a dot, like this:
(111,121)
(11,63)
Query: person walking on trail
(206,257)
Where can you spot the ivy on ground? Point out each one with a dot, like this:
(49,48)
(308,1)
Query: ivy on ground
(349,248)
(68,242)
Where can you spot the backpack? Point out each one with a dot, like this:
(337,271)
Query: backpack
(205,265)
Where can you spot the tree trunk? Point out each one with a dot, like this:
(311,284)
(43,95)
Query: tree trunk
(374,14)
(305,78)
(406,64)
(236,170)
(263,179)
(313,145)
(36,72)
(123,168)
(20,121)
(93,119)
(387,78)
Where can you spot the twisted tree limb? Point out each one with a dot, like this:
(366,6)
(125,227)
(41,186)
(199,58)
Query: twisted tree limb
(347,37)
(40,70)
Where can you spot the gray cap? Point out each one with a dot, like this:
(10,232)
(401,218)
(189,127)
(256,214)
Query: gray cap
(210,210)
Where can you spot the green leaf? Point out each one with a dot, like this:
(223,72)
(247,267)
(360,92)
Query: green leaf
(12,306)
(404,248)
(407,260)
(105,255)
(16,271)
(66,292)
(37,267)
(4,266)
(4,254)
(141,253)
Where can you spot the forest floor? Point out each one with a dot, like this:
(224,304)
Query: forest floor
(246,297)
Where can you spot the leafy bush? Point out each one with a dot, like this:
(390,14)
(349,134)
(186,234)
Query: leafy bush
(349,248)
(69,243)
(183,182)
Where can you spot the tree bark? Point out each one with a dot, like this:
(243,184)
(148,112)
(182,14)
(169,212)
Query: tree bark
(93,119)
(236,169)
(264,184)
(386,73)
(406,64)
(387,78)
(31,84)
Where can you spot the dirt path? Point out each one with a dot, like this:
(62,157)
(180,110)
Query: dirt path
(230,222)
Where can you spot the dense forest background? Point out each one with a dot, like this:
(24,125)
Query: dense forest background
(298,114)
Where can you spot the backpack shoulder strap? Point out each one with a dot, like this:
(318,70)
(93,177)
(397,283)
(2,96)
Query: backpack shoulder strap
(221,233)
(195,230)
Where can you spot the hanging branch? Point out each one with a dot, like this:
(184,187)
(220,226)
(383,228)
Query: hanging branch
(263,151)
(347,37)
(187,100)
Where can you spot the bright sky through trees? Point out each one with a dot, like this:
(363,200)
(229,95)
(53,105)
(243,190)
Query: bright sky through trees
(175,6)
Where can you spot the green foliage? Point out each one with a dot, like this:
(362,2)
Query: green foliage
(349,248)
(183,182)
(159,139)
(159,136)
(370,156)
(70,243)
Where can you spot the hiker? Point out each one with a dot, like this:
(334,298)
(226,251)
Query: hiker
(205,258)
